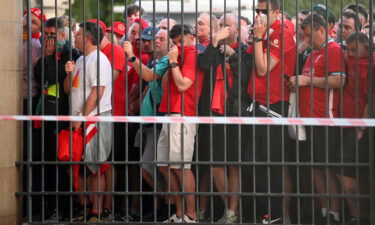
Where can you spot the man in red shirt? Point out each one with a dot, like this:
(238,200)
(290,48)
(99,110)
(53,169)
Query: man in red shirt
(354,105)
(319,97)
(274,60)
(126,102)
(179,99)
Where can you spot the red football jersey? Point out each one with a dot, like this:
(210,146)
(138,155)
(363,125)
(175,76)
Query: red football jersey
(277,80)
(323,104)
(356,83)
(188,69)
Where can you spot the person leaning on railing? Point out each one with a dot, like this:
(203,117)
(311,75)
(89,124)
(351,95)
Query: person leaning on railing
(314,77)
(274,51)
(179,99)
(54,102)
(223,59)
(96,86)
(152,74)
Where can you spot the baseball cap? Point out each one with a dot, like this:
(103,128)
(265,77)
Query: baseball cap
(149,33)
(178,29)
(101,24)
(118,28)
(38,13)
(322,10)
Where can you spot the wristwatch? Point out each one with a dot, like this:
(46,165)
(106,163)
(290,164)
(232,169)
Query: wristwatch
(256,39)
(173,65)
(132,59)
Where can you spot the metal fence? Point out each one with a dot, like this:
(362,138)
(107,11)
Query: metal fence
(199,133)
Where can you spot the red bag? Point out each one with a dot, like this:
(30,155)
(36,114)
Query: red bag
(63,153)
(64,144)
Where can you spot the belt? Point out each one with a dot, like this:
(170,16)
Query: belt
(264,109)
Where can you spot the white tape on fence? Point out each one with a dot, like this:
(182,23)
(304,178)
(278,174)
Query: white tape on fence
(204,120)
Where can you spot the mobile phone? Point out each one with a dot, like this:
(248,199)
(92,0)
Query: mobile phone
(262,17)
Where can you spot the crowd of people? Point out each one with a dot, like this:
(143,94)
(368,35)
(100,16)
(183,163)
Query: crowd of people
(308,66)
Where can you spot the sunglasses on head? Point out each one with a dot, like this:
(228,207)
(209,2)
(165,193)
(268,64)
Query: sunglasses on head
(263,11)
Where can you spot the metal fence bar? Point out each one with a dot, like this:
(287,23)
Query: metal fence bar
(274,176)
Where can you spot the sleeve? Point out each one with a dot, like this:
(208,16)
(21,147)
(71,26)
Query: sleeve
(336,64)
(49,70)
(162,66)
(275,45)
(119,58)
(246,62)
(188,70)
(207,59)
(75,54)
(38,71)
(133,77)
(246,67)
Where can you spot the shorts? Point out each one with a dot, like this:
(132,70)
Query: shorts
(169,147)
(134,140)
(99,146)
(213,149)
(103,169)
(321,145)
(149,152)
(352,151)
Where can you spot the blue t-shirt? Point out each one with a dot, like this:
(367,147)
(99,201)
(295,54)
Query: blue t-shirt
(155,91)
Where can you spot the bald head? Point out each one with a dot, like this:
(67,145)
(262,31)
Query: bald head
(203,30)
(230,18)
(231,21)
(164,24)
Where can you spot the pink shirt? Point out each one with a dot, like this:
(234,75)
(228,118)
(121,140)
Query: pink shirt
(36,53)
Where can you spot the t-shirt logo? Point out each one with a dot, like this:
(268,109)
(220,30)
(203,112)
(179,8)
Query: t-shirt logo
(275,43)
(75,82)
(121,27)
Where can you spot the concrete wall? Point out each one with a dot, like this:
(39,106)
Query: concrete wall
(10,104)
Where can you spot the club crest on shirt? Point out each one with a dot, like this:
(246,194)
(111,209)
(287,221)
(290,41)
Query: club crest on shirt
(121,27)
(275,43)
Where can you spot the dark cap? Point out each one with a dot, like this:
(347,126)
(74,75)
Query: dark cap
(180,29)
(323,11)
(149,33)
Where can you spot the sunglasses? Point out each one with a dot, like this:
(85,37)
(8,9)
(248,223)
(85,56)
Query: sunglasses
(263,11)
(50,37)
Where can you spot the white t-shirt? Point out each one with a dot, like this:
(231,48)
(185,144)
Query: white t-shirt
(80,82)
